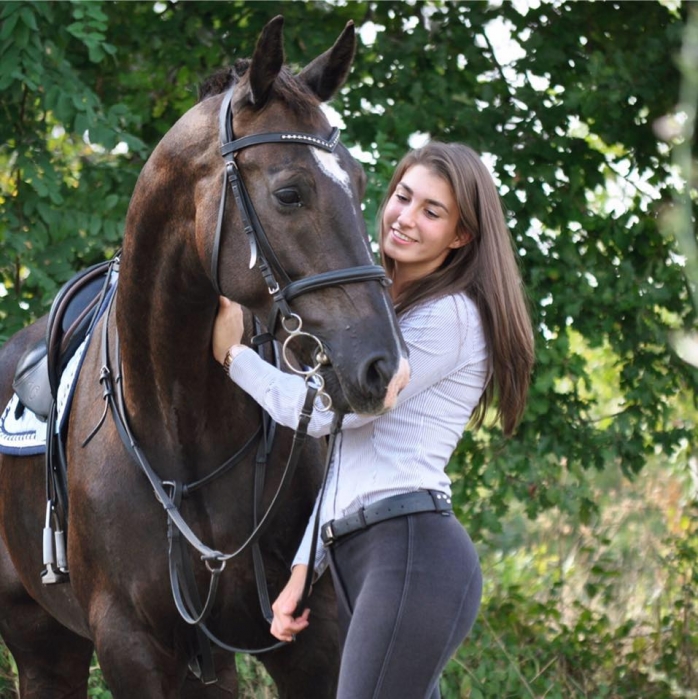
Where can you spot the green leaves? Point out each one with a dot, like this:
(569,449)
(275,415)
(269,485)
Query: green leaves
(89,27)
(58,133)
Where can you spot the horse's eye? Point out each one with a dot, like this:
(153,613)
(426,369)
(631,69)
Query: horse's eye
(288,197)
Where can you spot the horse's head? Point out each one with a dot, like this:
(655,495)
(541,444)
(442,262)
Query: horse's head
(294,213)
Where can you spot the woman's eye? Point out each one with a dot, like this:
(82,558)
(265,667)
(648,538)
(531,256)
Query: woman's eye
(288,197)
(400,197)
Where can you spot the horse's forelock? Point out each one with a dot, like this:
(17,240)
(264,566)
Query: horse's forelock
(219,82)
(294,93)
(297,96)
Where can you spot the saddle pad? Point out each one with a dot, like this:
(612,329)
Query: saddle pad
(21,436)
(26,435)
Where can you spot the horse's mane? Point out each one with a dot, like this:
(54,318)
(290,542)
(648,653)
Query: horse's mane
(293,92)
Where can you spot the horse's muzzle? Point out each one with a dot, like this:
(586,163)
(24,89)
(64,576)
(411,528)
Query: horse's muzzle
(372,390)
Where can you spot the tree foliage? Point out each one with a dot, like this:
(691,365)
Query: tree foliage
(566,123)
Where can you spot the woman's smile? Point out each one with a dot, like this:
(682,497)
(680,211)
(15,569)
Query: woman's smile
(400,236)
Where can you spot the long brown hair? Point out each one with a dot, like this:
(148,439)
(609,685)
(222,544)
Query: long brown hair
(486,268)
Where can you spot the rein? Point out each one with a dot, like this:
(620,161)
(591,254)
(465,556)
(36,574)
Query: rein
(169,493)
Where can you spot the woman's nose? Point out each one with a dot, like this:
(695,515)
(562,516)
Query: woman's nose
(406,217)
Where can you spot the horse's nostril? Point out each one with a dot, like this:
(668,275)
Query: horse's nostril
(376,375)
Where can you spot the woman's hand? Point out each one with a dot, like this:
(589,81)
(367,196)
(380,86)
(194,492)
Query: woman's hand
(284,626)
(228,328)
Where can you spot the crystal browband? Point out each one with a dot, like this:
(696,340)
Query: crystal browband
(256,139)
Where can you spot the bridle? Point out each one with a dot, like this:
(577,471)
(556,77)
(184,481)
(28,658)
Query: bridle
(280,286)
(261,251)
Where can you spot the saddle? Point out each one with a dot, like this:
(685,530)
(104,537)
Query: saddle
(72,314)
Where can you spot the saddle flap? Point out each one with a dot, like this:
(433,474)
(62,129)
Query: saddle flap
(31,383)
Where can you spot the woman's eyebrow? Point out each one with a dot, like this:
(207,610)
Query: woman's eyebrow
(431,202)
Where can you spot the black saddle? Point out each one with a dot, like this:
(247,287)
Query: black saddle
(72,314)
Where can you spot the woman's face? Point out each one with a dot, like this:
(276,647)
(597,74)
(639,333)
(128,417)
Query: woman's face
(419,226)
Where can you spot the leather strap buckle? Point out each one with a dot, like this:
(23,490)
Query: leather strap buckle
(442,502)
(328,533)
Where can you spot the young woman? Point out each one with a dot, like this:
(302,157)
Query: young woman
(409,586)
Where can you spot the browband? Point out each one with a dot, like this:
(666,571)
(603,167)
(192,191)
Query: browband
(304,138)
(230,144)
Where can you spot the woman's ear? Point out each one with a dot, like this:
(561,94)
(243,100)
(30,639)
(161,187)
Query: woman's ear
(461,240)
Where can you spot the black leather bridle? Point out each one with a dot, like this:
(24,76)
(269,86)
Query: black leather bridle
(282,289)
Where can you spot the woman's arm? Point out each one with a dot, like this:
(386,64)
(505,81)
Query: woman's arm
(441,336)
(282,395)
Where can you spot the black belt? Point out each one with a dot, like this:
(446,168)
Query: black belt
(395,506)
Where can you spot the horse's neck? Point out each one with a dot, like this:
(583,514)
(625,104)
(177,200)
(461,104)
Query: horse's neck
(164,300)
(174,391)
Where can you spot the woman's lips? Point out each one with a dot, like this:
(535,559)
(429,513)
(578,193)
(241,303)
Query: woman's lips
(400,237)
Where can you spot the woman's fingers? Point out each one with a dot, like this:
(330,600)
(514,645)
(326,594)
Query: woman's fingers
(228,327)
(285,626)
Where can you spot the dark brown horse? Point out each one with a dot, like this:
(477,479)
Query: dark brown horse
(185,415)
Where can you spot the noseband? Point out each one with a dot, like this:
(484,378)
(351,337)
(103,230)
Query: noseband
(281,288)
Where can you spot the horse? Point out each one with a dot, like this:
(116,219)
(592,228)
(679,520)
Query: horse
(153,414)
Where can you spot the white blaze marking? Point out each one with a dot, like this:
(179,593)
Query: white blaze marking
(329,164)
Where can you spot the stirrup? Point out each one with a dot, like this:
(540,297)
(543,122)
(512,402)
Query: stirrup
(55,569)
(54,576)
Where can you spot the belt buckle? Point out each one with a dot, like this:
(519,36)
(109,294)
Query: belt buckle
(328,536)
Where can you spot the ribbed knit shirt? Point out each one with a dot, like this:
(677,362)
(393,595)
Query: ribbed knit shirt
(407,448)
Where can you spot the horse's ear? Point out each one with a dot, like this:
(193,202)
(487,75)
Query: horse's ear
(267,60)
(327,73)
